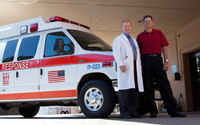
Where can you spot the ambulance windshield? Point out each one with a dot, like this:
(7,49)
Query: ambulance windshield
(89,41)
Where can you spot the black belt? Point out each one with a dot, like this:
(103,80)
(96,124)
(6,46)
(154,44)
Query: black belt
(151,55)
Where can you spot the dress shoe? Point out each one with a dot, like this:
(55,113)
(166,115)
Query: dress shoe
(153,115)
(125,117)
(178,114)
(136,116)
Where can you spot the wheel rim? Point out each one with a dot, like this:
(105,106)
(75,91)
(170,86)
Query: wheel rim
(93,99)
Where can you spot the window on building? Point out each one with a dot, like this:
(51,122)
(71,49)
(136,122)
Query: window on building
(9,52)
(67,46)
(28,47)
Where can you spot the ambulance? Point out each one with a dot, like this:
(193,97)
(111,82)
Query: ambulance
(56,61)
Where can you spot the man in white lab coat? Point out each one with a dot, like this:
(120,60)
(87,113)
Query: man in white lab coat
(130,83)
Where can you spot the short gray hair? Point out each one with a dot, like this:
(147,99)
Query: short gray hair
(126,21)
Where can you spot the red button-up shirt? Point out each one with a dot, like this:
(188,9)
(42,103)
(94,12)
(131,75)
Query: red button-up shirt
(151,43)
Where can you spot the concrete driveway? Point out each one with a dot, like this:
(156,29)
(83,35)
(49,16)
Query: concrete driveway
(193,118)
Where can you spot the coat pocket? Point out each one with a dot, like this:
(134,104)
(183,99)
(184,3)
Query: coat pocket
(126,63)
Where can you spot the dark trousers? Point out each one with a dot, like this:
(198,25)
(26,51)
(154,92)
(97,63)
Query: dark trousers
(154,65)
(129,99)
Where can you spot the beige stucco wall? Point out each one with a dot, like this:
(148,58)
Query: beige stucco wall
(182,42)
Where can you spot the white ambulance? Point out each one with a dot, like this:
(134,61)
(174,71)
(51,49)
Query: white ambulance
(55,61)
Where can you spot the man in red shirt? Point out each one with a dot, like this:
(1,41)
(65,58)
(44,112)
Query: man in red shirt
(152,43)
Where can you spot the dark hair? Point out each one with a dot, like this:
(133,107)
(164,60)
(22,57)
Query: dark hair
(146,16)
(127,21)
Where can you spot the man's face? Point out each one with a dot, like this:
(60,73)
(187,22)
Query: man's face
(148,23)
(126,28)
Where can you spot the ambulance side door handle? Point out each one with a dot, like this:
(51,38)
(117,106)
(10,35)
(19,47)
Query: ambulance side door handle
(17,74)
(41,71)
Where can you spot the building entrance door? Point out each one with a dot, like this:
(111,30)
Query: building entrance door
(195,76)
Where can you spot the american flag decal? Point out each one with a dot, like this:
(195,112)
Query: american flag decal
(56,76)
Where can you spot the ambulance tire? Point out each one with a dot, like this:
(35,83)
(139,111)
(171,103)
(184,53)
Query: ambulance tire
(29,112)
(97,99)
(5,107)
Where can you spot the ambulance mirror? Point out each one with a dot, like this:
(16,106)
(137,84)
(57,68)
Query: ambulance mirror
(58,46)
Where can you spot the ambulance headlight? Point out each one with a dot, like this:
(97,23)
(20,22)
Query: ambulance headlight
(24,29)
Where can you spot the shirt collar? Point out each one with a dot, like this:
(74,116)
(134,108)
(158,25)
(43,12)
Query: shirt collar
(153,30)
(126,35)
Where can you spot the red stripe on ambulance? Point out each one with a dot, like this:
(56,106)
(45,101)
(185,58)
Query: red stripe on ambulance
(19,65)
(66,60)
(37,95)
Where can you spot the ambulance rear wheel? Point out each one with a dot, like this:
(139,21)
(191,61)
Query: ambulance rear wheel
(97,99)
(29,112)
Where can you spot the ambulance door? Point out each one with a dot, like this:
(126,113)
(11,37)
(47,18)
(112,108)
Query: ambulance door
(57,66)
(7,71)
(26,65)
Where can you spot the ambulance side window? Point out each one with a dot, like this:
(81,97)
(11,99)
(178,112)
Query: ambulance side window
(9,52)
(28,47)
(50,41)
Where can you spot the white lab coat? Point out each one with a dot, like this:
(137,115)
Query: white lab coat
(123,54)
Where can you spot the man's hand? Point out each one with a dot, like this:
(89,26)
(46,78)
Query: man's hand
(165,66)
(165,55)
(123,68)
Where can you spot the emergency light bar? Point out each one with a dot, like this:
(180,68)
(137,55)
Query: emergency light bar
(57,18)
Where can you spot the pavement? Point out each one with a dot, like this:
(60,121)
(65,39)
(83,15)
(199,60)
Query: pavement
(193,118)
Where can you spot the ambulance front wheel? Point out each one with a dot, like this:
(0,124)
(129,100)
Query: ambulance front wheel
(29,112)
(97,99)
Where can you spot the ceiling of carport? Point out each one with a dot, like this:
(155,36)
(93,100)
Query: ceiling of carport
(105,16)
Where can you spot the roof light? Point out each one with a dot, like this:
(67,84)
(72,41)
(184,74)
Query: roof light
(34,27)
(87,27)
(72,22)
(57,18)
(53,19)
(24,29)
(107,64)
